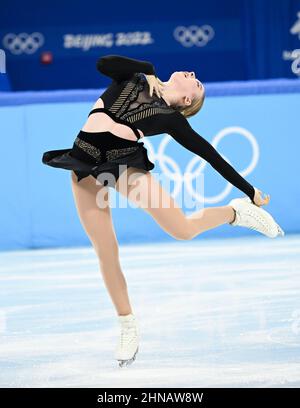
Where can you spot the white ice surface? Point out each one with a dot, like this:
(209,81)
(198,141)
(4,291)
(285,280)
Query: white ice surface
(212,313)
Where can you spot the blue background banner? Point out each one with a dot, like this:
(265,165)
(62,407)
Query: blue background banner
(220,41)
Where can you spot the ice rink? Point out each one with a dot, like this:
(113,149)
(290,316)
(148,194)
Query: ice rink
(212,313)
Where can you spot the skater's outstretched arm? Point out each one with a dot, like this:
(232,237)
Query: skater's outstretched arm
(180,129)
(122,68)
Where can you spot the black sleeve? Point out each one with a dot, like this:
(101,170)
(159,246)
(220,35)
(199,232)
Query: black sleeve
(121,68)
(180,129)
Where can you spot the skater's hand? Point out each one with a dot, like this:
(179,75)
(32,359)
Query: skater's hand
(258,198)
(155,84)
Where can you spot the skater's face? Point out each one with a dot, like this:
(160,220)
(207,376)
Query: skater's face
(187,86)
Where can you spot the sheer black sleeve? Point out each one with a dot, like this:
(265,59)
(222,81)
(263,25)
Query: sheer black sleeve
(121,68)
(180,129)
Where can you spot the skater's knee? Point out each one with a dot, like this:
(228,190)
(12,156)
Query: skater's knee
(186,237)
(184,234)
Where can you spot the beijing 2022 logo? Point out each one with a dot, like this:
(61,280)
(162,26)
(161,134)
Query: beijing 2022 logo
(294,55)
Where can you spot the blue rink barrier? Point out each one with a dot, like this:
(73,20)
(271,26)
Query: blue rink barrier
(4,83)
(254,125)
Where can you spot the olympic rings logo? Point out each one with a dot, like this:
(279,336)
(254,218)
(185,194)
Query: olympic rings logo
(194,35)
(23,42)
(187,176)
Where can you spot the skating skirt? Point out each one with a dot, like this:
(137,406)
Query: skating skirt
(94,153)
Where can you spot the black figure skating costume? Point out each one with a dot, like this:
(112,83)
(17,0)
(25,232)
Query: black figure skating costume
(127,101)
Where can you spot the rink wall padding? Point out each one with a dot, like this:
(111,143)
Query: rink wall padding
(254,125)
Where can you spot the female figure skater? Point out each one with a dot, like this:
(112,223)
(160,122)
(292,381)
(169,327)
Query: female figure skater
(135,105)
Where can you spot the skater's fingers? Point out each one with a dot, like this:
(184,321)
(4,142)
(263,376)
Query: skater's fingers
(267,200)
(261,198)
(157,90)
(151,89)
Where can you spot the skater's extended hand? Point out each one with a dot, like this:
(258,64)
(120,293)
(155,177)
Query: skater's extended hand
(155,84)
(258,198)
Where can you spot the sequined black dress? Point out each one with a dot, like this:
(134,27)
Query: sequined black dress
(127,101)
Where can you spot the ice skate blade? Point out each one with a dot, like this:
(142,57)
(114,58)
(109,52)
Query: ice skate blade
(280,231)
(126,363)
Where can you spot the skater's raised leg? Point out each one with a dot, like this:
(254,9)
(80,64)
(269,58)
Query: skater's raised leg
(146,190)
(147,193)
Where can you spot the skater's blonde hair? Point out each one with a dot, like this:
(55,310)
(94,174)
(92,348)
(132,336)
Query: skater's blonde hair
(194,107)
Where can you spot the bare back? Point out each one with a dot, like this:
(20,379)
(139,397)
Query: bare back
(101,122)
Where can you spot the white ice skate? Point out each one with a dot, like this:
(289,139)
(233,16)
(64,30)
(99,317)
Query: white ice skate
(251,216)
(128,344)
